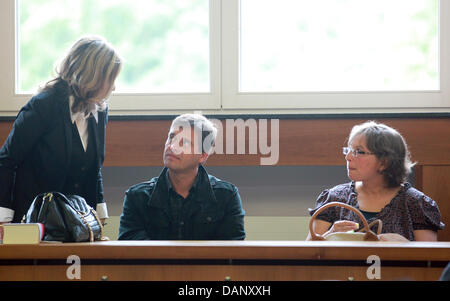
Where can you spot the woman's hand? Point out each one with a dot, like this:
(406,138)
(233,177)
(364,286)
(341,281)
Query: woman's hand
(392,237)
(343,226)
(324,228)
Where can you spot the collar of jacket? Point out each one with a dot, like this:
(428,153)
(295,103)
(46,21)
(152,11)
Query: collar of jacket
(92,109)
(62,94)
(204,192)
(193,189)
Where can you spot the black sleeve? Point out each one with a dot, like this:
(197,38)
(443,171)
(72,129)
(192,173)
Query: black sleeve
(131,223)
(30,124)
(232,227)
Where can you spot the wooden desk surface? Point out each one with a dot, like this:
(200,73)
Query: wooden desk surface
(219,260)
(263,250)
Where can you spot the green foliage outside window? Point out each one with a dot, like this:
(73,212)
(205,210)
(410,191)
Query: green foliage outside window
(164,43)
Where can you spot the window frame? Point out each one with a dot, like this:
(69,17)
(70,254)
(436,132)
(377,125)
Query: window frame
(332,102)
(224,96)
(119,103)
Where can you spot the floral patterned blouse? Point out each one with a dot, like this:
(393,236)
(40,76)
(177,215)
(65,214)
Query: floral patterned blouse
(409,210)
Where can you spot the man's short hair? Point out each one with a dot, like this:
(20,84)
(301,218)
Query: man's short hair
(202,125)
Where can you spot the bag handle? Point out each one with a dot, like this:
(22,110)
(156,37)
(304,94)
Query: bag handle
(380,225)
(100,223)
(369,234)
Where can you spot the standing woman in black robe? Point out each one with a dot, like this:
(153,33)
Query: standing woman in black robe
(57,142)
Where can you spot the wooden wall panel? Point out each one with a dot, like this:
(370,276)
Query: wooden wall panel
(428,139)
(436,184)
(135,143)
(302,142)
(5,128)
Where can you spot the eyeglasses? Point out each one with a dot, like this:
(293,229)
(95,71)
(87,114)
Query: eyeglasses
(355,152)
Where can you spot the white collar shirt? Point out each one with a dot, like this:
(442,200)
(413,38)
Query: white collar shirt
(81,120)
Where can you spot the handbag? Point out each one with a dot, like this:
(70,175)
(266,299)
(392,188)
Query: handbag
(65,218)
(367,235)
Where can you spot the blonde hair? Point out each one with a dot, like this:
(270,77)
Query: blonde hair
(90,66)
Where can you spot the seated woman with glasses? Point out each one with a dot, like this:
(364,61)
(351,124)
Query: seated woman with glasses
(378,164)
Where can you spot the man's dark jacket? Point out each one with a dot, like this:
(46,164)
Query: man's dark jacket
(215,213)
(35,157)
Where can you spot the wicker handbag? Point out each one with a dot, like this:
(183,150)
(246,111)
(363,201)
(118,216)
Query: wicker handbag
(367,235)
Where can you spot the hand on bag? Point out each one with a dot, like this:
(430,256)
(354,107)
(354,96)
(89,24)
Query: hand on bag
(343,226)
(391,237)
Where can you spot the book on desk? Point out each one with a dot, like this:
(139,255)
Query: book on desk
(22,233)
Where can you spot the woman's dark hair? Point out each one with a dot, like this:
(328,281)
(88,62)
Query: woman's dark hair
(389,147)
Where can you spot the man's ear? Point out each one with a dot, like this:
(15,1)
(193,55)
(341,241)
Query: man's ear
(204,157)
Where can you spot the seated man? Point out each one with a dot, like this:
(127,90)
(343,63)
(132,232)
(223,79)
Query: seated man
(184,202)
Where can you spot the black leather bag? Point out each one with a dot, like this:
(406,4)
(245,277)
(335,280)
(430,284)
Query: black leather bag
(65,218)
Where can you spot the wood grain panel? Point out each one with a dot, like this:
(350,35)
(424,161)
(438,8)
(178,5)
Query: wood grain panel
(135,143)
(5,128)
(428,139)
(194,260)
(215,273)
(436,184)
(261,250)
(301,142)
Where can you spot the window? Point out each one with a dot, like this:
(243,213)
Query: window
(336,56)
(376,45)
(165,42)
(171,50)
(241,56)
